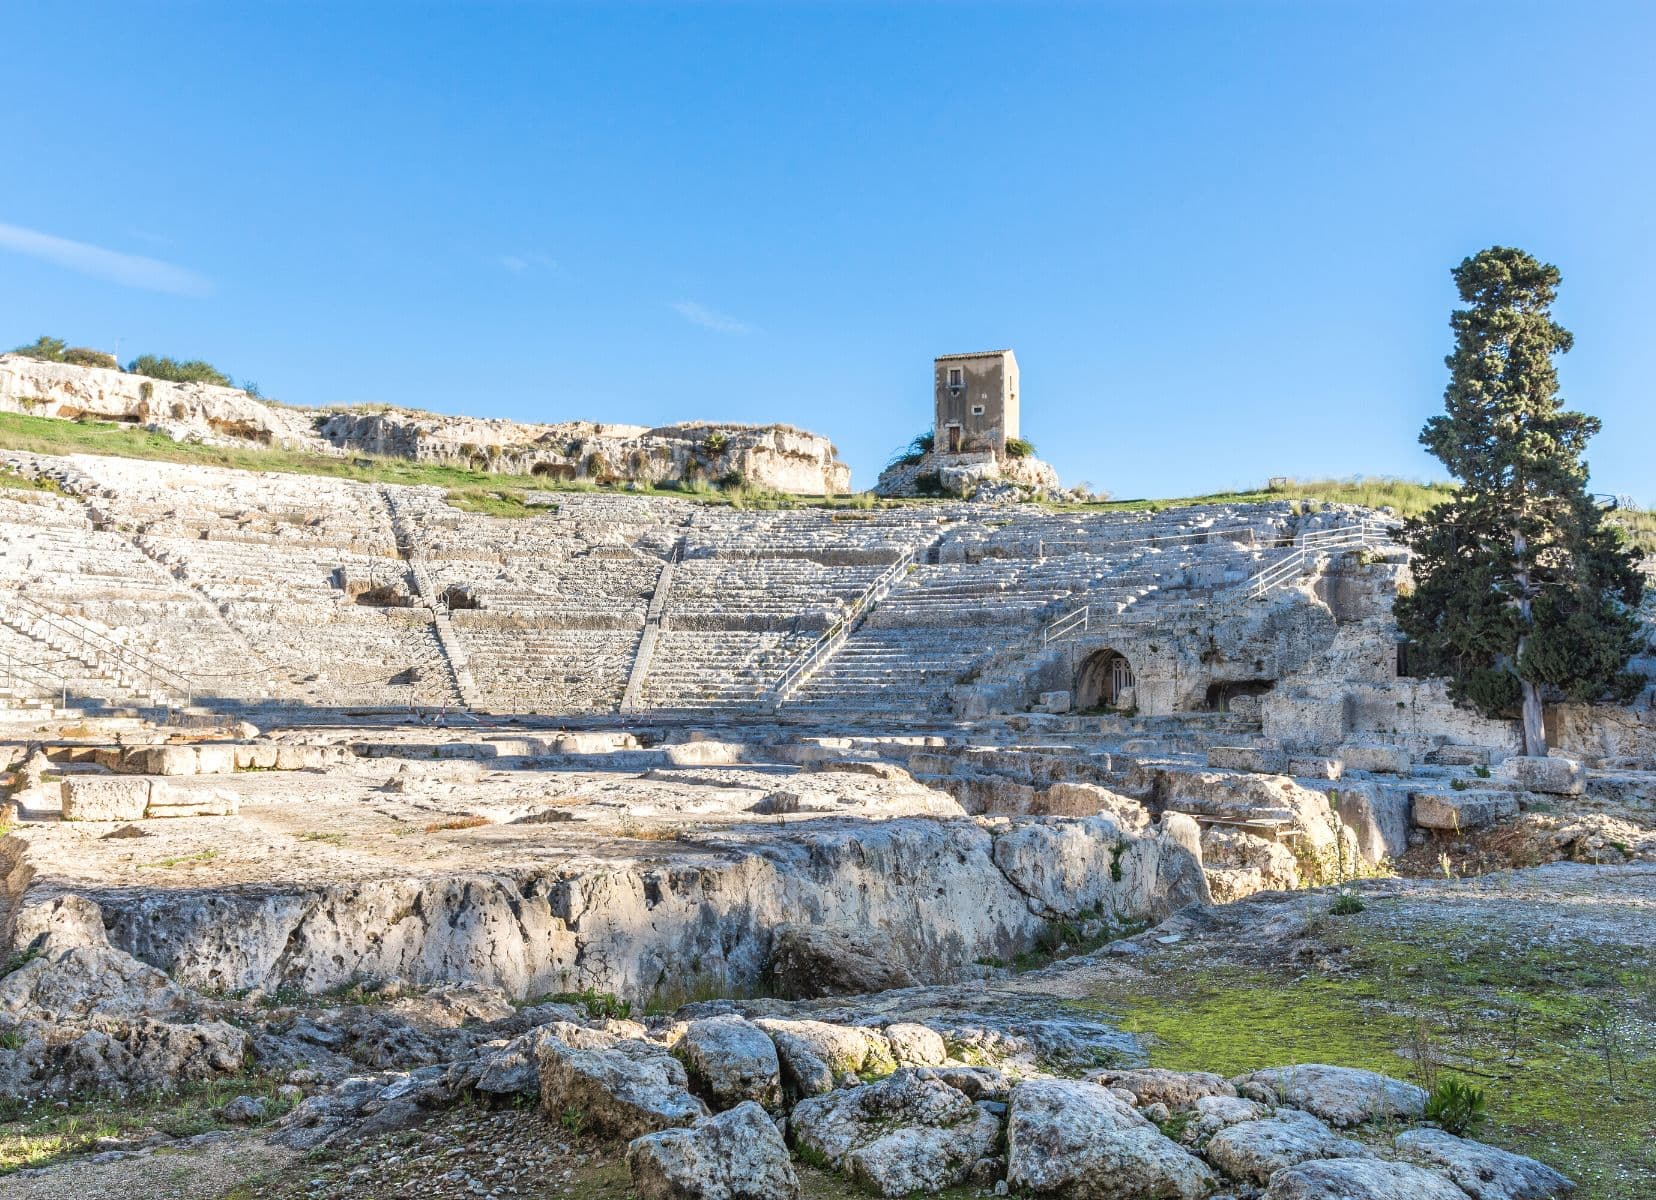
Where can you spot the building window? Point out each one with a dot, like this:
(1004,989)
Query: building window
(977,410)
(957,379)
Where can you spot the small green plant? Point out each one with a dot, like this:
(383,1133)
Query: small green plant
(1346,904)
(1018,447)
(1481,772)
(599,1005)
(1116,851)
(192,370)
(812,1157)
(1460,785)
(1455,1106)
(716,441)
(11,1039)
(572,1121)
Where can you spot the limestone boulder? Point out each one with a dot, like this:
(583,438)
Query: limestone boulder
(626,1091)
(1239,863)
(821,960)
(1263,760)
(1483,1172)
(510,1068)
(909,1133)
(737,1155)
(1378,759)
(105,797)
(1214,1113)
(1457,811)
(1256,1150)
(814,1054)
(1081,1142)
(1377,813)
(1554,775)
(191,798)
(730,1060)
(91,983)
(1342,1096)
(915,1045)
(1359,1179)
(146,1056)
(1157,1085)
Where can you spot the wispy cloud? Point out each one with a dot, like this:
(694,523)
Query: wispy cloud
(518,263)
(128,270)
(707,318)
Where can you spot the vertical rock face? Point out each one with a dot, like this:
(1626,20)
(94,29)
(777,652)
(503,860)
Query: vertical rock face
(937,892)
(181,410)
(772,457)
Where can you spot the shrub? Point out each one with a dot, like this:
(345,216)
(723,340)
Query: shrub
(929,484)
(1019,447)
(732,481)
(190,371)
(716,441)
(914,451)
(47,349)
(1455,1106)
(85,356)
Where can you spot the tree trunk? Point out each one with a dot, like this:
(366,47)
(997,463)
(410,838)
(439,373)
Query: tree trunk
(1535,726)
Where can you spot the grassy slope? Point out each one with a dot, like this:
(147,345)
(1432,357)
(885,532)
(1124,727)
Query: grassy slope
(502,495)
(1526,1024)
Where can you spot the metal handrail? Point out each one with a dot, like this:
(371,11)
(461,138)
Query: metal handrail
(1362,533)
(812,656)
(102,646)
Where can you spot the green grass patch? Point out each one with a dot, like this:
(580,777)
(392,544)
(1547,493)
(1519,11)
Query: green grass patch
(495,494)
(19,482)
(496,502)
(1409,497)
(37,1134)
(1558,1034)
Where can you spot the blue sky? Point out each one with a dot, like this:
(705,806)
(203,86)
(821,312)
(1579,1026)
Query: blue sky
(1217,234)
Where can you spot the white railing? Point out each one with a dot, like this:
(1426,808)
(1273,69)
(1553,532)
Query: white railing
(1367,534)
(1073,622)
(818,652)
(1307,547)
(100,650)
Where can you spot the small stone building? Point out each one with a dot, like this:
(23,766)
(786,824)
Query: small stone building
(977,401)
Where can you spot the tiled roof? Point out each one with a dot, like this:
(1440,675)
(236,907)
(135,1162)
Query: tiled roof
(974,354)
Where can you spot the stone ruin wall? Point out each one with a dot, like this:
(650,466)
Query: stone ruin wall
(775,458)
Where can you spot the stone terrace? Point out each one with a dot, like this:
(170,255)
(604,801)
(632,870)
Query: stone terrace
(294,589)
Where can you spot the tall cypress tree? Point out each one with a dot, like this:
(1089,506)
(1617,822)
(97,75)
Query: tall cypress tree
(1522,588)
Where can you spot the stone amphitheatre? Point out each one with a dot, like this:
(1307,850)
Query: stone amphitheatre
(367,841)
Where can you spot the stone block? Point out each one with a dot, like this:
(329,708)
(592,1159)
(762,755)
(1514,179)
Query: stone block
(1556,776)
(191,800)
(1459,756)
(1378,815)
(1379,759)
(105,797)
(1055,702)
(1458,811)
(215,759)
(1316,768)
(703,754)
(162,760)
(1258,759)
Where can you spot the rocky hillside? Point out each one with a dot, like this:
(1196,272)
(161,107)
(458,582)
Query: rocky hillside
(770,457)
